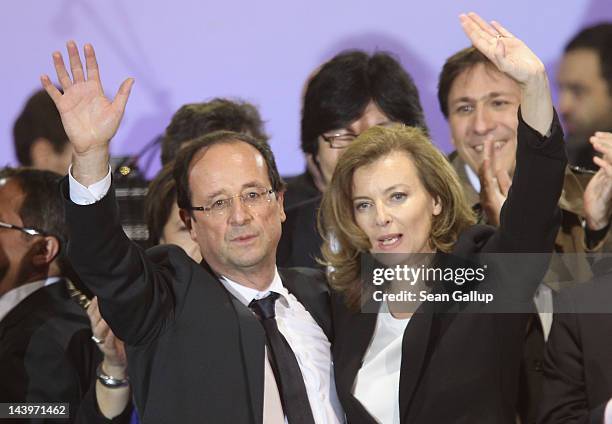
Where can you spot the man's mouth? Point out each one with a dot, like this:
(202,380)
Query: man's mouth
(498,145)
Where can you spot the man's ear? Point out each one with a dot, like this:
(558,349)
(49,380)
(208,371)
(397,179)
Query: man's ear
(45,251)
(280,198)
(186,218)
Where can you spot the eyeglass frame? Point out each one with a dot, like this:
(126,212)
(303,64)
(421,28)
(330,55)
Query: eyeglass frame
(329,139)
(208,209)
(26,230)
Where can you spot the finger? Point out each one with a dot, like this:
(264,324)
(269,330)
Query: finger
(500,29)
(123,94)
(101,330)
(474,33)
(482,24)
(93,311)
(604,135)
(91,63)
(60,70)
(602,141)
(50,88)
(603,147)
(75,62)
(606,166)
(504,181)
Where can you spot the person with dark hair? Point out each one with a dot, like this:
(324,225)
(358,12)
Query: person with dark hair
(46,354)
(481,104)
(394,199)
(233,339)
(196,119)
(348,94)
(39,137)
(577,370)
(584,77)
(162,215)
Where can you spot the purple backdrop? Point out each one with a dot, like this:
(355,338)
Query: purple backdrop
(188,51)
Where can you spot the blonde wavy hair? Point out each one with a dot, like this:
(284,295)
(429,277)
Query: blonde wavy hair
(344,241)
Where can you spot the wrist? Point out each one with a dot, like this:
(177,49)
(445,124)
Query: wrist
(90,167)
(112,381)
(116,371)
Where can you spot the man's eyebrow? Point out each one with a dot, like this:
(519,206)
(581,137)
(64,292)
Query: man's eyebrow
(491,95)
(245,185)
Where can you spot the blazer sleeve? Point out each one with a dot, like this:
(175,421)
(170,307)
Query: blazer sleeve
(136,295)
(530,217)
(564,398)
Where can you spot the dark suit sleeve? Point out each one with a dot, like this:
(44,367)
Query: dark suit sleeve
(530,217)
(136,295)
(564,397)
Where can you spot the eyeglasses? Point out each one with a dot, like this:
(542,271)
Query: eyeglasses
(339,141)
(28,231)
(253,198)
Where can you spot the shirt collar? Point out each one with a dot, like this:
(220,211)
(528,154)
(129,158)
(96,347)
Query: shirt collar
(247,294)
(12,298)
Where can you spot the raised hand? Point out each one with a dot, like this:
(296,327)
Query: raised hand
(598,193)
(494,185)
(515,59)
(500,46)
(89,117)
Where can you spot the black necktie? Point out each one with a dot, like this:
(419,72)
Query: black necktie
(284,364)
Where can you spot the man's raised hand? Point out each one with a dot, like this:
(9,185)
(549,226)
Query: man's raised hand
(89,117)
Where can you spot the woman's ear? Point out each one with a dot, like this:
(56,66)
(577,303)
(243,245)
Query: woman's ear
(437,206)
(45,251)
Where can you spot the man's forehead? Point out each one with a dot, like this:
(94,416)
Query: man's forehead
(482,80)
(228,164)
(11,195)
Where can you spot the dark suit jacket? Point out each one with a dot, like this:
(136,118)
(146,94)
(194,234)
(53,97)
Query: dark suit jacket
(463,367)
(300,243)
(299,189)
(578,360)
(46,354)
(195,353)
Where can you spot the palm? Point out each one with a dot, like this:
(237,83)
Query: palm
(90,119)
(507,52)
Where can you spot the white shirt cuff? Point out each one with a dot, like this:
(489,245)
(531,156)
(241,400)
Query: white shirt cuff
(82,195)
(608,413)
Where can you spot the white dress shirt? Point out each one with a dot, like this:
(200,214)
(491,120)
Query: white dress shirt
(307,340)
(377,383)
(12,298)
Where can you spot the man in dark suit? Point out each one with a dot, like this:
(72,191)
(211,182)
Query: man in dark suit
(349,94)
(46,354)
(577,369)
(232,339)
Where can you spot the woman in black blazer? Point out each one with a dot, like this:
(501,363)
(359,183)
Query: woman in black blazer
(393,195)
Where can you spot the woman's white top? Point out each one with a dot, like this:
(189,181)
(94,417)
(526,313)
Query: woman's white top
(377,382)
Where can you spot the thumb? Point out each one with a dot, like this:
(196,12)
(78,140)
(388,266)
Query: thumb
(122,95)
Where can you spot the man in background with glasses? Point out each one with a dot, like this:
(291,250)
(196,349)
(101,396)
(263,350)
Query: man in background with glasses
(348,94)
(46,354)
(232,339)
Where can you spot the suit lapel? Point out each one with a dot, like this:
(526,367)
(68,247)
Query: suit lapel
(252,343)
(252,340)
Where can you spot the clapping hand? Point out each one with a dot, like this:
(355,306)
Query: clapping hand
(115,361)
(494,185)
(598,193)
